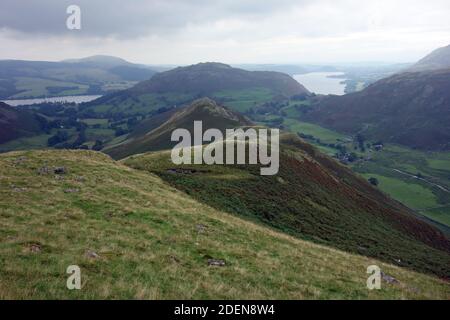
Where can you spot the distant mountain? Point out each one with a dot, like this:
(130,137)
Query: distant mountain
(16,123)
(92,75)
(237,88)
(412,109)
(158,137)
(210,78)
(100,61)
(438,59)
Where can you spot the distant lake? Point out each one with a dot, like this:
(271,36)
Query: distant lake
(321,83)
(69,99)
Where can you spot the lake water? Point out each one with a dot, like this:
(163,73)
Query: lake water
(321,83)
(70,99)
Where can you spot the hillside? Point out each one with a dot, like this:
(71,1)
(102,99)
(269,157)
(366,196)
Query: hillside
(16,123)
(158,137)
(436,60)
(208,78)
(237,88)
(92,75)
(412,109)
(322,201)
(134,236)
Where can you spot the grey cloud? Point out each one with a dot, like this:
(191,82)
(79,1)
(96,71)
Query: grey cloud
(129,19)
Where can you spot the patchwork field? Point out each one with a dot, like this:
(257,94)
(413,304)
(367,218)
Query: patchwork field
(243,100)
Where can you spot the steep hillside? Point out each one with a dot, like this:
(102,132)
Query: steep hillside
(314,198)
(237,88)
(412,109)
(159,137)
(15,123)
(92,75)
(135,237)
(436,60)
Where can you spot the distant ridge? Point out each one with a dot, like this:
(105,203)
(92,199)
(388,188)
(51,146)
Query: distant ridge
(90,75)
(209,77)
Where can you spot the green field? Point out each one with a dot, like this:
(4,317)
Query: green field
(441,162)
(35,142)
(35,87)
(441,214)
(142,104)
(243,100)
(293,110)
(425,196)
(325,135)
(92,122)
(99,134)
(413,195)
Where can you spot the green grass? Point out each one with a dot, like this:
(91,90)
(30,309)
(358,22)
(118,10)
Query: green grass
(142,104)
(327,150)
(293,110)
(99,134)
(35,87)
(441,214)
(92,122)
(325,135)
(413,192)
(149,245)
(440,164)
(35,142)
(242,100)
(413,195)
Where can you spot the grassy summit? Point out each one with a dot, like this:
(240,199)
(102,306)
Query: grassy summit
(134,236)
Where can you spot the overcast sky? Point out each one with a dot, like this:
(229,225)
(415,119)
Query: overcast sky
(233,31)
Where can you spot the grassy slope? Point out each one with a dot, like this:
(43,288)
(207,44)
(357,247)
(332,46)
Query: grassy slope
(322,202)
(146,235)
(325,135)
(242,100)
